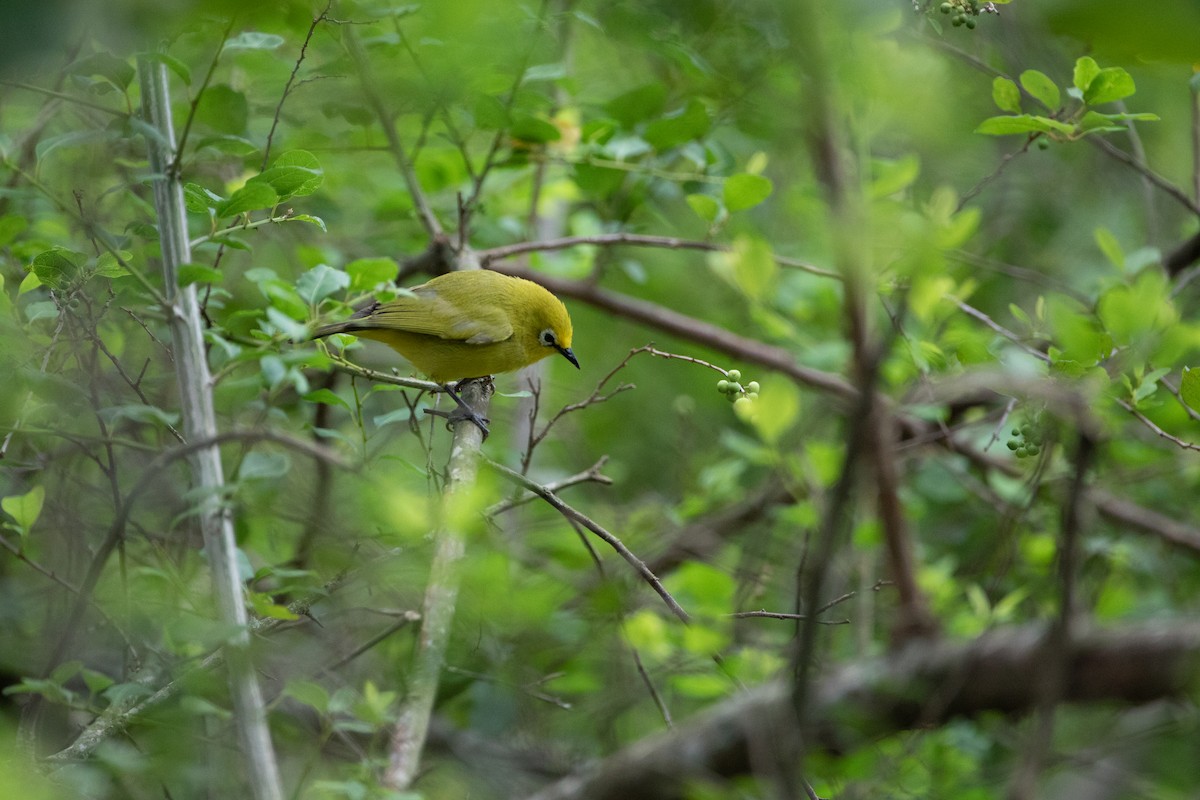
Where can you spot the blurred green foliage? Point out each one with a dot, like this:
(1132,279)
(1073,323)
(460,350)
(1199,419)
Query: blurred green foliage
(986,255)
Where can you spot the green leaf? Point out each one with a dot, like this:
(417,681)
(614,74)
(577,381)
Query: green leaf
(642,103)
(706,208)
(1110,84)
(228,143)
(679,127)
(309,693)
(25,508)
(750,264)
(296,173)
(1006,95)
(1189,388)
(57,267)
(199,273)
(118,72)
(1108,244)
(326,397)
(259,465)
(745,191)
(1086,70)
(310,219)
(544,72)
(224,109)
(139,413)
(367,273)
(890,176)
(1042,88)
(777,409)
(254,40)
(1022,123)
(251,197)
(199,200)
(534,129)
(11,226)
(319,282)
(108,265)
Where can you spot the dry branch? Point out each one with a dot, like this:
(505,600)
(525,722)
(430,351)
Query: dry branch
(925,685)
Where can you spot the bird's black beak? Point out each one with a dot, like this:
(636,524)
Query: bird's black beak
(568,354)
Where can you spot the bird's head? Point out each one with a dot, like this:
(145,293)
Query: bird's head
(552,325)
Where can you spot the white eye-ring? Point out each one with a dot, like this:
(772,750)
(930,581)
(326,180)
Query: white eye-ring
(546,338)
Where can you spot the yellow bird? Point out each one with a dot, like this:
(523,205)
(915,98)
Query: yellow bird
(467,324)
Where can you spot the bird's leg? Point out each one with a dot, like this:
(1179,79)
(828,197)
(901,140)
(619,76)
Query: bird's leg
(464,411)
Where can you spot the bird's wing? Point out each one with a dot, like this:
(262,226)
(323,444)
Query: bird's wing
(428,313)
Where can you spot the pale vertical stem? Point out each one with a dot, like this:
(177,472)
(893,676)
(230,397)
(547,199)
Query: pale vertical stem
(441,596)
(199,422)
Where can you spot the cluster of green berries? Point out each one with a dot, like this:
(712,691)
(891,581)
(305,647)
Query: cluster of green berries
(965,11)
(1026,440)
(732,388)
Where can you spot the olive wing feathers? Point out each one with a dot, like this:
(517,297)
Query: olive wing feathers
(427,312)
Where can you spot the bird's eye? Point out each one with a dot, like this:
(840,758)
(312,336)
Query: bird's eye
(546,338)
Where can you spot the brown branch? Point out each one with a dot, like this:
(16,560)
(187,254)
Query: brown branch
(875,698)
(486,257)
(696,330)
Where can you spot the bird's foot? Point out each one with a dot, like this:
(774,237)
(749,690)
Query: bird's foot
(463,412)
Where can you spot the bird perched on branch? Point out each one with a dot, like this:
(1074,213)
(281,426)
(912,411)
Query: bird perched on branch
(468,324)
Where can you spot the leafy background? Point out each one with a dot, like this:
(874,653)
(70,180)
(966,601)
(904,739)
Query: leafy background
(1014,215)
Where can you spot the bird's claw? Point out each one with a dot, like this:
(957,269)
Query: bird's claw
(461,414)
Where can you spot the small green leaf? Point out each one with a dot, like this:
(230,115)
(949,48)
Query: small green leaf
(1042,88)
(679,127)
(705,206)
(319,282)
(296,173)
(1006,95)
(11,226)
(367,273)
(57,267)
(746,191)
(309,693)
(199,200)
(1086,70)
(199,273)
(890,176)
(1109,85)
(115,70)
(254,40)
(1108,244)
(638,104)
(254,195)
(534,129)
(778,407)
(108,265)
(25,508)
(224,109)
(310,219)
(1189,388)
(228,143)
(259,465)
(1022,123)
(326,397)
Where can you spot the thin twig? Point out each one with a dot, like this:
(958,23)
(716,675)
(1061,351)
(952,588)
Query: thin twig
(615,543)
(654,695)
(287,88)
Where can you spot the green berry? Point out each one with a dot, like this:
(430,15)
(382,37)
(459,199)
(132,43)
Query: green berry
(1022,452)
(970,23)
(753,387)
(723,385)
(957,21)
(741,402)
(945,8)
(1033,449)
(1043,143)
(1012,444)
(752,395)
(734,375)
